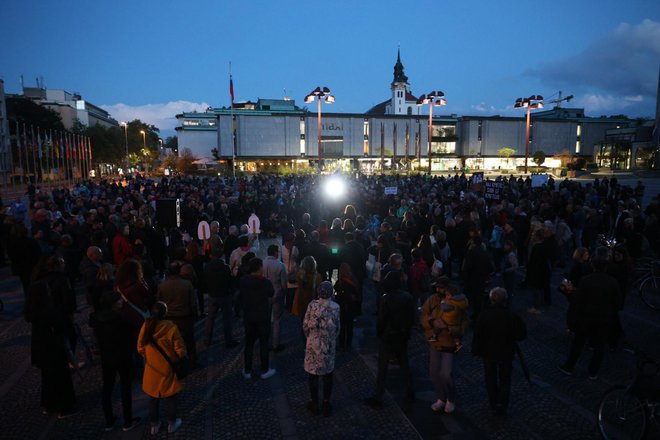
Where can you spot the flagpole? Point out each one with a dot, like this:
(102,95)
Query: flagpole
(233,127)
(34,153)
(18,149)
(26,173)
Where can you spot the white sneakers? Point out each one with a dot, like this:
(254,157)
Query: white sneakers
(153,430)
(247,376)
(173,426)
(270,373)
(438,405)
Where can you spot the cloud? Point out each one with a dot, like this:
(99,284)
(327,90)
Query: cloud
(488,109)
(162,116)
(614,72)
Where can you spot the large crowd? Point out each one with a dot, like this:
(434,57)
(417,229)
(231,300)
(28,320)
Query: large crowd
(434,251)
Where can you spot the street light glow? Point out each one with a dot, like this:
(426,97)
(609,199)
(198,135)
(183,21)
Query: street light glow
(335,187)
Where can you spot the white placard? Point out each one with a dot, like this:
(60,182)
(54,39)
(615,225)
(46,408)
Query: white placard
(538,180)
(391,190)
(203,230)
(254,224)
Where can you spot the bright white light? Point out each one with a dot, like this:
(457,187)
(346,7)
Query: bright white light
(335,187)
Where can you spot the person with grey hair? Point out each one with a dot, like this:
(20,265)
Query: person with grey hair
(495,335)
(321,327)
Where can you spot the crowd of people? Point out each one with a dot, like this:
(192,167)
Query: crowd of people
(443,258)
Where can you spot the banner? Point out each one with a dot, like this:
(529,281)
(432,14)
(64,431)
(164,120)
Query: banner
(493,190)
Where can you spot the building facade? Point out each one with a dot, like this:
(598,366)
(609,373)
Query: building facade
(5,144)
(392,135)
(70,106)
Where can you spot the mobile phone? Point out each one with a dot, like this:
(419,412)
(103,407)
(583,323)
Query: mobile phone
(334,251)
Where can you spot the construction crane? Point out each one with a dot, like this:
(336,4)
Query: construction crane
(559,100)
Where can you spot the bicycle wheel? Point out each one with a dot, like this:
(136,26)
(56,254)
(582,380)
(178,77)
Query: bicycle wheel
(621,415)
(649,291)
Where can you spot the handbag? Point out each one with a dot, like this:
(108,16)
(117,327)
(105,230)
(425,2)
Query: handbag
(144,314)
(181,366)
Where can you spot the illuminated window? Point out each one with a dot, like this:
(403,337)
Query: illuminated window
(365,128)
(302,146)
(302,126)
(579,130)
(577,146)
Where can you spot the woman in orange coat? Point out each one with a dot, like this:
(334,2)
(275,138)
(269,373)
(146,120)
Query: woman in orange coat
(159,381)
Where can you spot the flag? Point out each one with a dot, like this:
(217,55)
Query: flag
(39,142)
(231,89)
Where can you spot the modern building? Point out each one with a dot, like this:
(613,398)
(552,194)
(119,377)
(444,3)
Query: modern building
(392,135)
(70,107)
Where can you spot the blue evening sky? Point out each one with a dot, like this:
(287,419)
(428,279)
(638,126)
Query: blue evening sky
(153,59)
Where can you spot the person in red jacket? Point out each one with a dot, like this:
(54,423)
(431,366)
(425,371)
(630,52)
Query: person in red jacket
(121,246)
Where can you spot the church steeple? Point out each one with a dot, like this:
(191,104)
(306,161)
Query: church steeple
(399,76)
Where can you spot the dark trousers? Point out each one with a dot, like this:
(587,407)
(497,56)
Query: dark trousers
(254,331)
(346,316)
(398,351)
(596,334)
(186,327)
(57,392)
(215,303)
(110,368)
(170,408)
(498,382)
(314,387)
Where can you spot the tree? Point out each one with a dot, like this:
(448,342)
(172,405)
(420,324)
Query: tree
(172,142)
(506,153)
(538,157)
(215,153)
(184,163)
(29,112)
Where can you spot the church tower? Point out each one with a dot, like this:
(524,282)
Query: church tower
(402,102)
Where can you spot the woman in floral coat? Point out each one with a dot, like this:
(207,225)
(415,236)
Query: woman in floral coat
(321,327)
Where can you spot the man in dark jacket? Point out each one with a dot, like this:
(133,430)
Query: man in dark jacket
(219,286)
(495,336)
(477,267)
(256,292)
(89,269)
(320,252)
(355,256)
(395,319)
(116,347)
(598,299)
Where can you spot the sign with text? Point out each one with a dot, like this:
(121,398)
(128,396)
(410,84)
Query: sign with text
(203,230)
(477,178)
(254,224)
(493,190)
(391,190)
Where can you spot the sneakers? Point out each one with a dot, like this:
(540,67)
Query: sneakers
(449,407)
(270,373)
(131,424)
(154,428)
(109,426)
(593,376)
(438,405)
(432,338)
(533,311)
(246,375)
(174,426)
(564,369)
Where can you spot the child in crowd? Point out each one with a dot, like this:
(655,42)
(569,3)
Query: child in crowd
(452,311)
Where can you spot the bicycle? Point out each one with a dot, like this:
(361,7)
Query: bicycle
(627,412)
(649,286)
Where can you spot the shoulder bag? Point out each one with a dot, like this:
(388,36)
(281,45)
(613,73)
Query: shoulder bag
(180,367)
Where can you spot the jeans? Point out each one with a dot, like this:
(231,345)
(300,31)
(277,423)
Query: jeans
(441,364)
(498,382)
(596,334)
(314,386)
(215,303)
(170,408)
(276,318)
(110,368)
(398,351)
(259,330)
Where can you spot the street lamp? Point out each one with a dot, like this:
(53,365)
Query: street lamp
(320,94)
(144,139)
(534,101)
(432,99)
(125,125)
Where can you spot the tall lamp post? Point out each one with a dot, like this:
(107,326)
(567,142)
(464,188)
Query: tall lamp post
(144,146)
(432,99)
(125,125)
(533,102)
(320,94)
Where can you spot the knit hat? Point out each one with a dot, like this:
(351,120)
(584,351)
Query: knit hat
(325,290)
